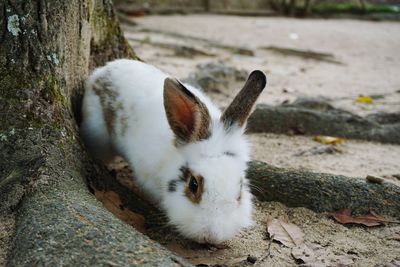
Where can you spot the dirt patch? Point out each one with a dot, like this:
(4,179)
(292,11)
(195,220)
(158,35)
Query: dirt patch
(361,245)
(365,246)
(351,158)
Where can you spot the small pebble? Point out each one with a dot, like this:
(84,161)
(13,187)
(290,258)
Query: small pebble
(251,259)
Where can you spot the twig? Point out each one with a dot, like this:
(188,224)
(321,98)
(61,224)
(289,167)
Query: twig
(268,250)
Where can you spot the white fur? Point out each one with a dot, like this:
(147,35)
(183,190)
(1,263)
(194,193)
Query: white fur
(149,148)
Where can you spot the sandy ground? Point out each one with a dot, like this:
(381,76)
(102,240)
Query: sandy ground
(369,53)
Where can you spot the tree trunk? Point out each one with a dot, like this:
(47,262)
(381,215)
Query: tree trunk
(46,51)
(307,8)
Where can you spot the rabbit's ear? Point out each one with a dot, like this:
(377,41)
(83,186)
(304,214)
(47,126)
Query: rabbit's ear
(240,108)
(187,116)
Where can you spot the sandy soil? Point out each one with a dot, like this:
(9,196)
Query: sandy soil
(370,66)
(368,50)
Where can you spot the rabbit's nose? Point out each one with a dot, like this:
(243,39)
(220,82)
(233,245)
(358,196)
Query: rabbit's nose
(210,239)
(211,236)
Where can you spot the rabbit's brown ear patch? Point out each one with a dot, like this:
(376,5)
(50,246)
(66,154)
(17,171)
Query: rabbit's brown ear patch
(240,108)
(187,116)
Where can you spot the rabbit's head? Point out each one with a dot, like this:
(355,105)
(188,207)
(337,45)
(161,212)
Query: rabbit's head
(209,199)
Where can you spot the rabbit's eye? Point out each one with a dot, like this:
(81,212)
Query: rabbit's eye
(193,185)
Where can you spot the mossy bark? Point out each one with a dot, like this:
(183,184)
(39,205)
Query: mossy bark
(47,49)
(322,119)
(322,192)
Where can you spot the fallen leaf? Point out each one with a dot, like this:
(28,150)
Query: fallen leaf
(290,235)
(124,175)
(112,202)
(364,99)
(344,216)
(328,140)
(316,255)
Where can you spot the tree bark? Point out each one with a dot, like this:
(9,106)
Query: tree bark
(322,119)
(46,51)
(322,192)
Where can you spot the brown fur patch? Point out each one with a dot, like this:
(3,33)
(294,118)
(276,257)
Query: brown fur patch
(240,192)
(240,108)
(108,100)
(187,116)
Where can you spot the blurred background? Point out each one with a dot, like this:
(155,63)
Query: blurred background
(342,56)
(260,7)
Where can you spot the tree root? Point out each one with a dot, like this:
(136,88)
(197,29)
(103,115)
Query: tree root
(322,192)
(325,120)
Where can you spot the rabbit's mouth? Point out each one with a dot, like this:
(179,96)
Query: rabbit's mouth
(214,232)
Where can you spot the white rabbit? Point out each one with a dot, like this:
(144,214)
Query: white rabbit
(187,156)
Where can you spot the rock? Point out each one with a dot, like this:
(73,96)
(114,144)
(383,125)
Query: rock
(215,77)
(251,259)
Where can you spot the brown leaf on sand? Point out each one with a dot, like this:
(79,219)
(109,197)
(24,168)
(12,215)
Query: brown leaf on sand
(344,216)
(112,202)
(316,255)
(290,235)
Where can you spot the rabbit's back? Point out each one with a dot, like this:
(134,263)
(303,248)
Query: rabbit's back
(123,114)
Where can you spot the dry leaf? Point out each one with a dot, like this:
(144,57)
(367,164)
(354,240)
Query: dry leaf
(364,99)
(328,140)
(112,202)
(290,235)
(316,255)
(344,216)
